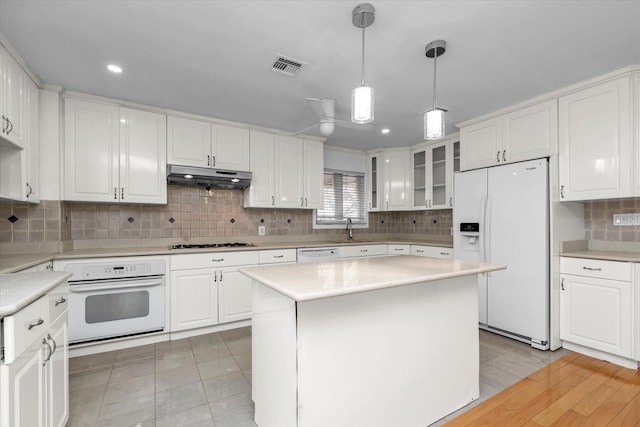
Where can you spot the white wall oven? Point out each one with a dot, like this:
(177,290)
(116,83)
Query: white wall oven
(115,299)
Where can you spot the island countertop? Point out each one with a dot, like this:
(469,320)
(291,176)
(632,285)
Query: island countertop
(306,282)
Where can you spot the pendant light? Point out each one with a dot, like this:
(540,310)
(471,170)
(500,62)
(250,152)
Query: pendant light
(434,118)
(362,16)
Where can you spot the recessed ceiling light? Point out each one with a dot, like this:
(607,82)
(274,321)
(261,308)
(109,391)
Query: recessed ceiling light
(114,68)
(385,131)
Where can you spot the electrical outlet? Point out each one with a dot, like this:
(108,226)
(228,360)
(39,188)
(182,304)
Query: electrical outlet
(617,219)
(262,230)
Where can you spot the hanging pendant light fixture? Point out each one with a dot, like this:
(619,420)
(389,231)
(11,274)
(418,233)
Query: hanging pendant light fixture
(434,118)
(362,16)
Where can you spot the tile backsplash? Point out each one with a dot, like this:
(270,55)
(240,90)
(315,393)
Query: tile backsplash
(598,220)
(190,213)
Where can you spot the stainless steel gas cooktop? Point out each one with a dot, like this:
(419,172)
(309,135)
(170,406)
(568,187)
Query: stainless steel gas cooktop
(212,245)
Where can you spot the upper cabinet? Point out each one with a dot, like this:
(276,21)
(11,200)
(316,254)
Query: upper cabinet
(287,172)
(636,135)
(595,140)
(524,134)
(13,102)
(114,154)
(374,180)
(389,175)
(32,144)
(203,144)
(433,169)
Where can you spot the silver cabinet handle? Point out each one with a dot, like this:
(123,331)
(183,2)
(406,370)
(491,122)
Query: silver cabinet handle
(562,191)
(444,253)
(221,276)
(55,345)
(278,256)
(450,201)
(306,202)
(215,276)
(302,201)
(387,204)
(35,323)
(10,126)
(426,203)
(62,300)
(217,260)
(5,125)
(498,156)
(419,251)
(45,342)
(398,249)
(592,269)
(29,190)
(115,193)
(562,283)
(364,250)
(208,160)
(122,193)
(504,159)
(214,160)
(273,201)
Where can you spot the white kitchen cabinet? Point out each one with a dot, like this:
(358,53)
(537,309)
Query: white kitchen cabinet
(636,136)
(358,251)
(595,151)
(207,289)
(397,179)
(287,172)
(45,266)
(375,180)
(34,374)
(433,169)
(114,154)
(432,251)
(596,305)
(13,102)
(524,134)
(32,143)
(203,144)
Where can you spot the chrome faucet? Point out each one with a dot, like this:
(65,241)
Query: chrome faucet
(349,229)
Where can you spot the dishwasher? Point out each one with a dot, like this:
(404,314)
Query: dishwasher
(317,255)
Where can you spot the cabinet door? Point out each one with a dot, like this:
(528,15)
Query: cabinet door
(313,174)
(595,142)
(143,157)
(230,148)
(14,103)
(261,192)
(289,153)
(420,181)
(32,145)
(57,376)
(91,151)
(188,142)
(636,179)
(530,133)
(194,299)
(480,145)
(397,180)
(439,176)
(23,402)
(375,178)
(596,313)
(235,295)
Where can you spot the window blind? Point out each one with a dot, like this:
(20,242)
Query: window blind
(344,197)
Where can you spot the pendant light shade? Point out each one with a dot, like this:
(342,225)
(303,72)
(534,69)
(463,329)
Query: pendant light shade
(362,105)
(434,118)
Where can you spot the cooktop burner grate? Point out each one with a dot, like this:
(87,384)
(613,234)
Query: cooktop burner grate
(211,245)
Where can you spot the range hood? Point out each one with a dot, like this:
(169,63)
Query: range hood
(207,178)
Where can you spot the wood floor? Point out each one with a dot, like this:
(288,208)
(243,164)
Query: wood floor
(576,391)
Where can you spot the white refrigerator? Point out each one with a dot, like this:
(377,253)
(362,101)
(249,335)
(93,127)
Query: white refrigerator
(501,216)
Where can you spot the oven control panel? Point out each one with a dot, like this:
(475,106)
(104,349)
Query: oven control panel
(103,270)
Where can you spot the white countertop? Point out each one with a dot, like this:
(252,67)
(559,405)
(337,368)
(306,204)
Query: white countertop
(604,255)
(305,282)
(21,289)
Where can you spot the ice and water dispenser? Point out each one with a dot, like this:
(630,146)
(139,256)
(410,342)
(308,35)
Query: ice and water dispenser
(470,236)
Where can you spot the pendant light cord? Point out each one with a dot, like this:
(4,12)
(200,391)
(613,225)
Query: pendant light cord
(362,76)
(435,59)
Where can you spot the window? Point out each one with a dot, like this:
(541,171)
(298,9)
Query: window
(344,197)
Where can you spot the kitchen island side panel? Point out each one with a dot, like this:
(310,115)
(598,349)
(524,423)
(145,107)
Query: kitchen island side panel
(273,340)
(404,356)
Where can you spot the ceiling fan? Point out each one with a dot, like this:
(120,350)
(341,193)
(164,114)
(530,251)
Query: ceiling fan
(325,109)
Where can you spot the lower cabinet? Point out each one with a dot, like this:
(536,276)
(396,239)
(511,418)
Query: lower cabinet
(596,305)
(357,251)
(194,299)
(235,295)
(34,385)
(432,251)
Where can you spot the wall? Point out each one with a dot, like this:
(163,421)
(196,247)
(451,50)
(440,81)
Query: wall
(598,220)
(191,214)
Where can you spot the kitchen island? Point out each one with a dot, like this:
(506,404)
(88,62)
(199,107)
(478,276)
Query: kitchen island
(389,341)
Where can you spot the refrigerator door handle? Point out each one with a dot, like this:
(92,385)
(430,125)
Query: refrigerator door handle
(483,206)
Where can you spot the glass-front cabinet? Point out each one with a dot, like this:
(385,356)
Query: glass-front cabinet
(433,169)
(374,184)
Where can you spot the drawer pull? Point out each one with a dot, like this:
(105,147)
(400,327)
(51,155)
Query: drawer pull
(36,323)
(444,253)
(364,250)
(420,251)
(278,256)
(62,300)
(45,342)
(592,269)
(218,260)
(398,249)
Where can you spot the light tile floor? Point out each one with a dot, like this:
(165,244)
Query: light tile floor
(206,381)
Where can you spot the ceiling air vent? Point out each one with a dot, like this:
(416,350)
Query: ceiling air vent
(285,65)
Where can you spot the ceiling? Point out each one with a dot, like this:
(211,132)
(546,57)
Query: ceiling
(214,58)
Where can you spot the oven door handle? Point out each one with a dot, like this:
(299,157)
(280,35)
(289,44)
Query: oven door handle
(90,287)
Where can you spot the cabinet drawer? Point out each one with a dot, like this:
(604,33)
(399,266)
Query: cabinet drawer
(420,250)
(277,256)
(25,327)
(58,301)
(399,249)
(213,259)
(362,250)
(440,252)
(612,270)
